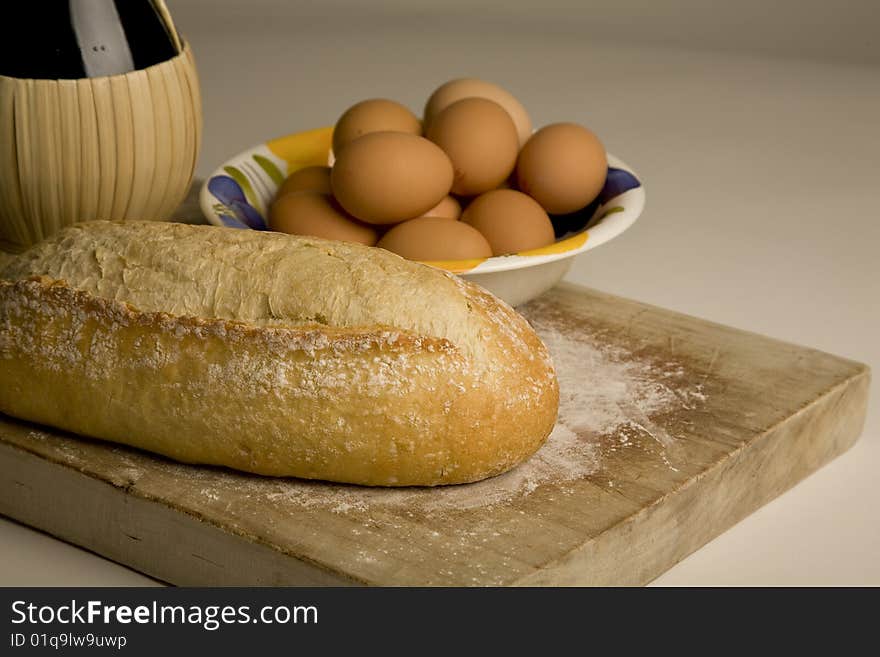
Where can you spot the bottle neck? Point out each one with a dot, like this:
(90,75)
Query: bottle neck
(101,38)
(69,39)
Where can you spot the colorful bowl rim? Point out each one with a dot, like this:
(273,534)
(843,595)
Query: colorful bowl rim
(239,191)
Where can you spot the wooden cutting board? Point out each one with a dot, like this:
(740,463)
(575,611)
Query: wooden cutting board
(671,429)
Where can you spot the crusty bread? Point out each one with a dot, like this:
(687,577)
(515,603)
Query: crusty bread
(270,353)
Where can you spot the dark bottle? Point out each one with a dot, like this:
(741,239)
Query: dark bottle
(69,39)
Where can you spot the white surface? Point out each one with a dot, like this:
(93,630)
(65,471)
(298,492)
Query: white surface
(762,213)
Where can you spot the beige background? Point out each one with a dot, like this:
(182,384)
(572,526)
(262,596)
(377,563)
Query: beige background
(754,126)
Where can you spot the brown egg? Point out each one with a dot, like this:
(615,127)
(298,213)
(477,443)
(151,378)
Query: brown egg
(435,238)
(317,215)
(480,139)
(510,221)
(375,115)
(449,208)
(309,179)
(455,90)
(563,167)
(387,177)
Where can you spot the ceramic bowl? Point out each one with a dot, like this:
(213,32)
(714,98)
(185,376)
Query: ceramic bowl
(239,192)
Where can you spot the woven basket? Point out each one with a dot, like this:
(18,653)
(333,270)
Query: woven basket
(118,147)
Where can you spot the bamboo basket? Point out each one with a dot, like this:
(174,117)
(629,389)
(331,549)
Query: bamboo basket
(118,147)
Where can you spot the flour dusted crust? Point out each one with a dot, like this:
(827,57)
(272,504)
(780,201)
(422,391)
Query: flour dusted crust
(273,354)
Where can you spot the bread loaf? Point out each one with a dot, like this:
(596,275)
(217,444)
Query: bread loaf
(270,353)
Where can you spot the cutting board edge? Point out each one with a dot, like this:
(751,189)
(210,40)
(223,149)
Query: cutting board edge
(857,366)
(578,567)
(107,501)
(132,520)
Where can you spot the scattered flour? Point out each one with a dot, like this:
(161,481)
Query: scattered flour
(611,399)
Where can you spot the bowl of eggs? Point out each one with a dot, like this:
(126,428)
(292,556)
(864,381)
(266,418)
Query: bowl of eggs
(470,188)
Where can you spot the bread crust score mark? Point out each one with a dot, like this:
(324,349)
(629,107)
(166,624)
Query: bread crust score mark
(374,404)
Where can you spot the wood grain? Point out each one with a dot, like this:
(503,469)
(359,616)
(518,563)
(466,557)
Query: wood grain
(766,414)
